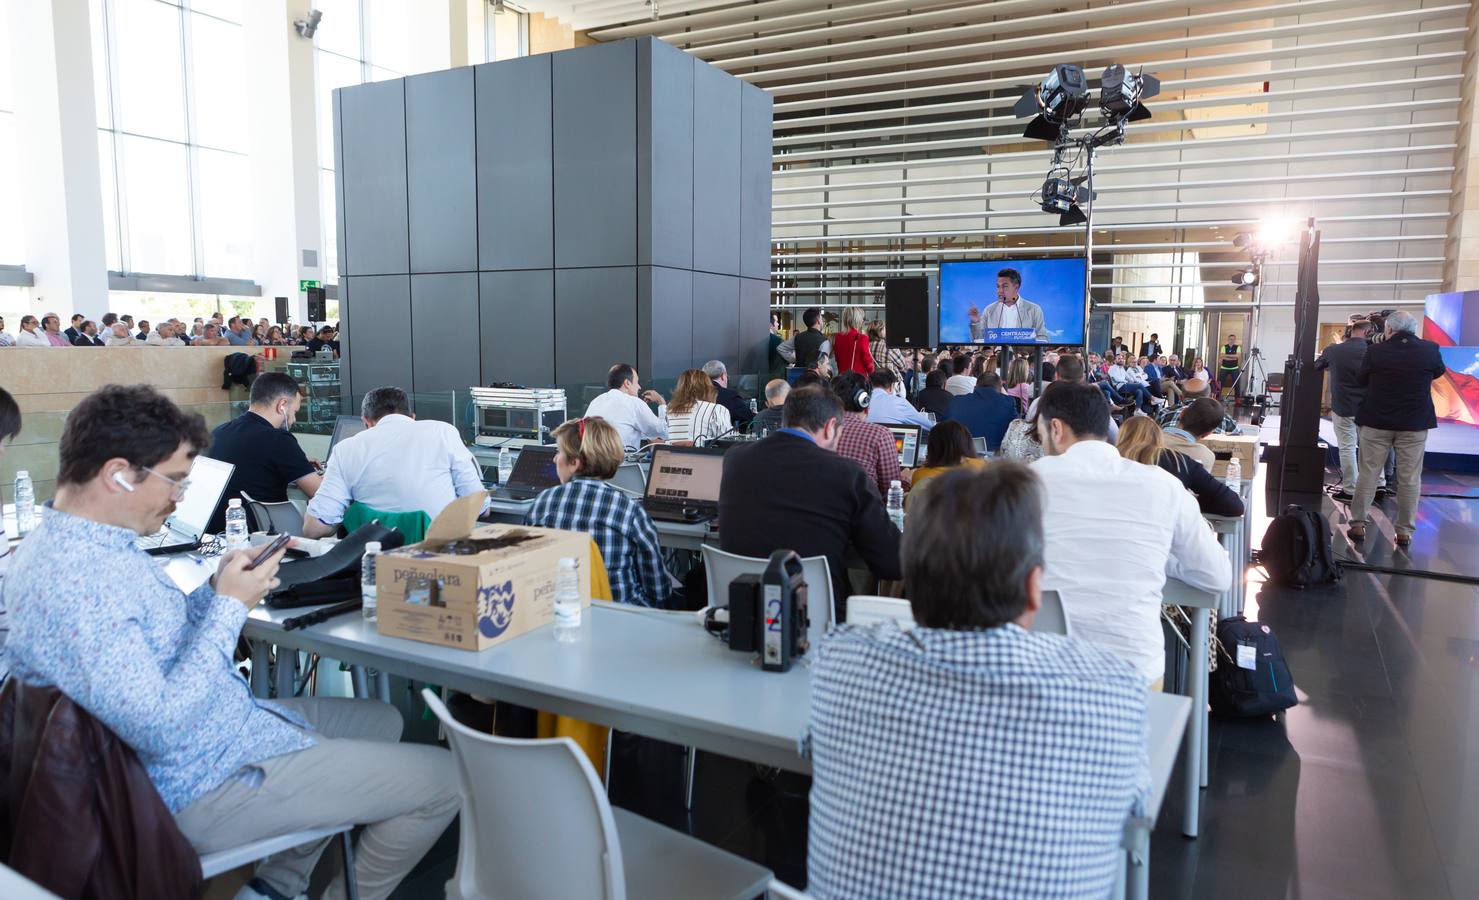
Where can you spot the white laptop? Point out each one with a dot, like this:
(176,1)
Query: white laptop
(183,530)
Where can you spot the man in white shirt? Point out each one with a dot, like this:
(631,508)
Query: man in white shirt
(1013,311)
(395,465)
(163,336)
(30,334)
(1130,382)
(961,381)
(1111,577)
(886,407)
(624,405)
(119,336)
(6,338)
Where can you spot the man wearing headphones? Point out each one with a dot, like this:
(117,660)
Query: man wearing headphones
(870,446)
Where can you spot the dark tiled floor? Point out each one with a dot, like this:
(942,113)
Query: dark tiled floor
(1368,789)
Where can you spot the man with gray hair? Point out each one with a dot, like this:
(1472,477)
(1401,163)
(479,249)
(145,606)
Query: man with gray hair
(769,419)
(739,408)
(1395,414)
(396,465)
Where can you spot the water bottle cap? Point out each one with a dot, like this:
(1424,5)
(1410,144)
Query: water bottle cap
(568,562)
(234,503)
(23,474)
(372,546)
(895,484)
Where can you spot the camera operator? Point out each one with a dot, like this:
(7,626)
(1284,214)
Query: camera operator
(1396,414)
(1343,361)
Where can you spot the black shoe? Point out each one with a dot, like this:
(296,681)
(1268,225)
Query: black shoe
(1383,493)
(1343,495)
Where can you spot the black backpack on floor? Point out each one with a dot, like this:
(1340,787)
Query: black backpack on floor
(1296,550)
(1262,690)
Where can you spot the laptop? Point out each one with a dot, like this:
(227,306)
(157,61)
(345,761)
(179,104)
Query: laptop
(533,472)
(906,439)
(345,427)
(183,530)
(981,449)
(683,483)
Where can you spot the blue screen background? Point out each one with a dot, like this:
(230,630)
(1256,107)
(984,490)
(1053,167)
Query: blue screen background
(1057,285)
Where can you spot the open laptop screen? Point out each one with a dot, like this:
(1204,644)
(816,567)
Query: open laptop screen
(906,441)
(208,479)
(344,427)
(535,468)
(685,476)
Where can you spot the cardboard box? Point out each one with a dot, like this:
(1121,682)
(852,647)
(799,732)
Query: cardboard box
(482,597)
(1224,446)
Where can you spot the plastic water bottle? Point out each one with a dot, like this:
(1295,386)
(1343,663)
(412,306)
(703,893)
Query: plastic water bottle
(367,579)
(236,526)
(754,407)
(896,504)
(567,601)
(1235,474)
(505,466)
(25,504)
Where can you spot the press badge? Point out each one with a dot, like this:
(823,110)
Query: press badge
(1247,657)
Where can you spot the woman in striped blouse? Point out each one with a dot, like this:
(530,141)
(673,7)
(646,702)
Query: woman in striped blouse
(692,415)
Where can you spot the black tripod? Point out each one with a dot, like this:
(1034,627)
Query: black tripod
(1252,368)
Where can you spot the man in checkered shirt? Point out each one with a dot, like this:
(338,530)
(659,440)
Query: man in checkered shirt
(870,446)
(970,757)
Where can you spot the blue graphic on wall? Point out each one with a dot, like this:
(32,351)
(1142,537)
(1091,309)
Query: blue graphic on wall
(495,608)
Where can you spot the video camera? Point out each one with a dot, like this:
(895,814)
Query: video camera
(767,612)
(1377,320)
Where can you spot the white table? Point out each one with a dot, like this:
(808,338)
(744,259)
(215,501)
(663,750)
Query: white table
(657,674)
(1235,535)
(1200,604)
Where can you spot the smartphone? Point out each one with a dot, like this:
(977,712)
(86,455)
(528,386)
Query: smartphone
(277,544)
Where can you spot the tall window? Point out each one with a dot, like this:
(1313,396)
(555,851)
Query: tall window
(172,136)
(357,41)
(12,249)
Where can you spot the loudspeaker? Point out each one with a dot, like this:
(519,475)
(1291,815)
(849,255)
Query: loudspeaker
(317,308)
(908,313)
(282,310)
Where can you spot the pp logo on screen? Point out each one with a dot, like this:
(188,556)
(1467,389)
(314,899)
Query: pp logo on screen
(495,608)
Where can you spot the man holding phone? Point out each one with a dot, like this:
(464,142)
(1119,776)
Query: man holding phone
(155,666)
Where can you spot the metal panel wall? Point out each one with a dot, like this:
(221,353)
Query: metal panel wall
(754,327)
(518,326)
(380,308)
(716,319)
(595,322)
(665,156)
(445,342)
(441,163)
(595,155)
(515,175)
(372,125)
(716,171)
(341,267)
(664,322)
(756,113)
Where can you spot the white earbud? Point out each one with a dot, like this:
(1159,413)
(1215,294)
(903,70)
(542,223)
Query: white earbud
(123,482)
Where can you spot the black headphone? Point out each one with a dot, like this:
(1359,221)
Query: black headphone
(863,398)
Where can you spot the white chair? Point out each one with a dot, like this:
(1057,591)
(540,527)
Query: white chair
(629,478)
(864,609)
(282,517)
(213,864)
(15,886)
(1052,618)
(535,823)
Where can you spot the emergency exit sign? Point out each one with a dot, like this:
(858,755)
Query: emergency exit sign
(305,285)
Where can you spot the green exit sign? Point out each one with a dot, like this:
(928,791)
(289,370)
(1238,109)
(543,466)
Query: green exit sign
(305,285)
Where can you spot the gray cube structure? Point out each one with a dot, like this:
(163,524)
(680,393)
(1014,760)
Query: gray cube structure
(537,220)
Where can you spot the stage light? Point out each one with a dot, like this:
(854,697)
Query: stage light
(1276,230)
(1060,98)
(1122,94)
(1246,279)
(1063,196)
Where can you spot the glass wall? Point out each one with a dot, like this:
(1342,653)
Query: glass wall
(172,136)
(12,249)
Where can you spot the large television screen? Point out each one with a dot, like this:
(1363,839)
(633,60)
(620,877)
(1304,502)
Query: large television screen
(1452,320)
(1012,301)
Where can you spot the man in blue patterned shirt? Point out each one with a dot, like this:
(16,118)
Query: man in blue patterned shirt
(970,757)
(155,666)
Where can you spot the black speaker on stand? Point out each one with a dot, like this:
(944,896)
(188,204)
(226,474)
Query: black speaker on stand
(909,313)
(282,310)
(317,305)
(1297,464)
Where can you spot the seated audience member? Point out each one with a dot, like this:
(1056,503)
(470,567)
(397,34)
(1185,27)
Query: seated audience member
(727,397)
(1071,370)
(1019,382)
(587,454)
(1143,441)
(813,378)
(792,491)
(31,334)
(1197,420)
(1130,383)
(305,335)
(970,756)
(624,406)
(985,412)
(888,408)
(51,330)
(155,667)
(88,336)
(6,338)
(1199,371)
(961,381)
(949,447)
(769,419)
(211,337)
(1111,576)
(265,453)
(10,426)
(692,416)
(74,331)
(870,446)
(935,398)
(129,321)
(274,337)
(143,334)
(164,336)
(1152,373)
(121,337)
(396,465)
(239,333)
(324,340)
(1191,390)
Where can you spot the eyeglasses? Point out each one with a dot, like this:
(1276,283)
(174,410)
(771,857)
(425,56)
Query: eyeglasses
(177,488)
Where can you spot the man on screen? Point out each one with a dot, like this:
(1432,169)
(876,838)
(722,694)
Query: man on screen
(1011,310)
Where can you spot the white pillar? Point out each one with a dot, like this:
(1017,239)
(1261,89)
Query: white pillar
(56,117)
(437,32)
(283,152)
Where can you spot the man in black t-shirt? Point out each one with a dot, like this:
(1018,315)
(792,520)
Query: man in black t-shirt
(266,455)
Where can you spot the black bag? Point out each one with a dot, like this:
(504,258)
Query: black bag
(1296,550)
(1263,690)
